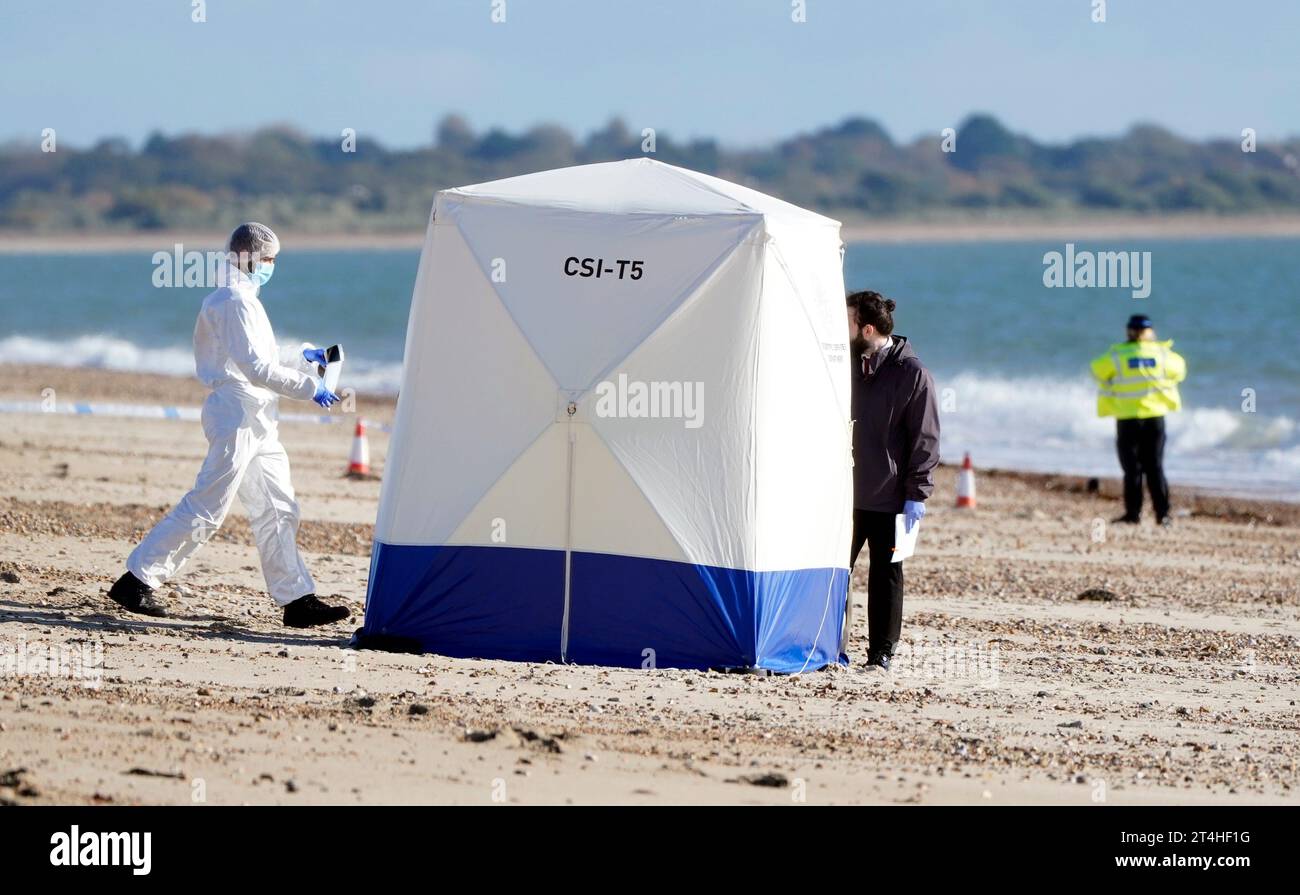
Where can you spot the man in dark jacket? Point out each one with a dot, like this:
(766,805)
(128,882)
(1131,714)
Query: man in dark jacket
(895,450)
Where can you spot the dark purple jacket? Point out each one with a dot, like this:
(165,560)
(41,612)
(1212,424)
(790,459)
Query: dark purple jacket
(895,430)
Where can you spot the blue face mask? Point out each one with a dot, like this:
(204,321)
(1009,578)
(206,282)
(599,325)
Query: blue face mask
(261,274)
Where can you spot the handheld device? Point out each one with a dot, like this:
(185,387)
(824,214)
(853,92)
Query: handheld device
(329,373)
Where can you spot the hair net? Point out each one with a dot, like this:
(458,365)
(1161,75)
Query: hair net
(251,241)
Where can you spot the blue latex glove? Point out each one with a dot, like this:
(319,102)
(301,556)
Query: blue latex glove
(324,397)
(913,512)
(315,355)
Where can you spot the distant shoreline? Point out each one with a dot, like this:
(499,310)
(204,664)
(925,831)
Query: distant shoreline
(1009,229)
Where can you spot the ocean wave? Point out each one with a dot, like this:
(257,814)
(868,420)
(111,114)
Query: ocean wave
(1050,424)
(111,353)
(97,352)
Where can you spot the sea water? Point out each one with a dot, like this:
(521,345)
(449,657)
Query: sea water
(1009,353)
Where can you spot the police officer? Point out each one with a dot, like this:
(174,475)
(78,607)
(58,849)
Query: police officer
(1137,383)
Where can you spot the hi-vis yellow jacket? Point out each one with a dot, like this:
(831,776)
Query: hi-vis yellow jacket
(1139,380)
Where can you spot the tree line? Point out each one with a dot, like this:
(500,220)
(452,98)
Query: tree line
(851,170)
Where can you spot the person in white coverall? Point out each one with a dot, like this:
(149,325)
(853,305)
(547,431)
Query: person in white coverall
(237,357)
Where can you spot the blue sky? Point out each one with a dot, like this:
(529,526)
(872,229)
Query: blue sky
(738,70)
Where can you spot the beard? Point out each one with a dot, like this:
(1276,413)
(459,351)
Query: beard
(859,346)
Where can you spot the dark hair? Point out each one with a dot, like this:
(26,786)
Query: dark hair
(873,310)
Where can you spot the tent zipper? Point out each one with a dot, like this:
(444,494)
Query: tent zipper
(568,537)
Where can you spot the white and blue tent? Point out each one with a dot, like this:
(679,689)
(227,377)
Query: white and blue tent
(623,433)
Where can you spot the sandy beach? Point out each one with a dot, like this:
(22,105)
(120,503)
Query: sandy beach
(998,227)
(1048,658)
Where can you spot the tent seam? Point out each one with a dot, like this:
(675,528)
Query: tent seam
(696,288)
(704,187)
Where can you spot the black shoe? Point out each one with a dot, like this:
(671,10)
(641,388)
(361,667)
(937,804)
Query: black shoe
(308,612)
(134,595)
(878,659)
(1127,519)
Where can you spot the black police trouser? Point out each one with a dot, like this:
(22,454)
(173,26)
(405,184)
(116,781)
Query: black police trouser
(884,578)
(1141,445)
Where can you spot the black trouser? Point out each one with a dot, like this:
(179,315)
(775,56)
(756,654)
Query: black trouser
(884,578)
(1141,445)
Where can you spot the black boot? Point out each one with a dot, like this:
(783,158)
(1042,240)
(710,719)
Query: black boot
(134,595)
(878,659)
(308,612)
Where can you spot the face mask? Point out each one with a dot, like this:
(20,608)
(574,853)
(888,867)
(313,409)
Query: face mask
(261,274)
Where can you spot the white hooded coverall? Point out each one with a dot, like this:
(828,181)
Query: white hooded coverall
(237,357)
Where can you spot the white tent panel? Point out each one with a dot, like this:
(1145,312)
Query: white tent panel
(812,261)
(699,478)
(802,428)
(526,506)
(610,513)
(580,324)
(474,397)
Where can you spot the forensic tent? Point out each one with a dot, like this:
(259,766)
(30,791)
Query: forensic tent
(623,432)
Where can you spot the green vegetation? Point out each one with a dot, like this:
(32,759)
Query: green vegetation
(852,170)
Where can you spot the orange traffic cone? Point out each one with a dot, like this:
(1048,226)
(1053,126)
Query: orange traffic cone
(966,484)
(359,458)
